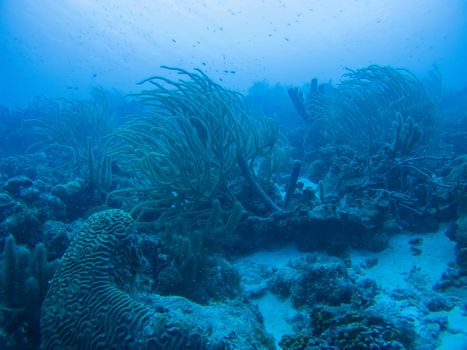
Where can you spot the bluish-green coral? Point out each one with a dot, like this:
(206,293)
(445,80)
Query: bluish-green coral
(93,302)
(88,306)
(24,277)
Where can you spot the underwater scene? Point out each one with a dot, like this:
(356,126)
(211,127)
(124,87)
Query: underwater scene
(233,175)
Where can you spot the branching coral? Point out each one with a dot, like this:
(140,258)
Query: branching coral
(70,124)
(75,130)
(360,111)
(24,277)
(189,143)
(407,135)
(368,100)
(194,139)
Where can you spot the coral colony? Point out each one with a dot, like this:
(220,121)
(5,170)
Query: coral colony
(184,217)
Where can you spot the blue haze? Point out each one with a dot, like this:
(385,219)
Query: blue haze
(64,48)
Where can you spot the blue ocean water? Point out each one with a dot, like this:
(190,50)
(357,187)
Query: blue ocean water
(233,175)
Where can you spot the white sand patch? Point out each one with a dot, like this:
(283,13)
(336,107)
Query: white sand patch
(396,262)
(275,312)
(273,258)
(391,272)
(456,335)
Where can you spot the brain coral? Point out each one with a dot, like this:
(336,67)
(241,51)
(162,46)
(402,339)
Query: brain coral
(88,305)
(93,302)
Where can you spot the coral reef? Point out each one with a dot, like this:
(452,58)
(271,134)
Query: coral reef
(24,281)
(26,205)
(195,178)
(196,134)
(90,303)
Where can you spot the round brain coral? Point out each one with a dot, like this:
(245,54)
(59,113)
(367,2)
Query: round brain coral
(93,301)
(87,306)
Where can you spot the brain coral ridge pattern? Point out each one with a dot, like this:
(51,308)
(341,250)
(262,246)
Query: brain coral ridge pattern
(87,305)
